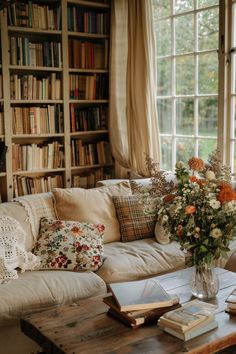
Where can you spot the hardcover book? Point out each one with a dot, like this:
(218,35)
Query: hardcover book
(193,332)
(140,294)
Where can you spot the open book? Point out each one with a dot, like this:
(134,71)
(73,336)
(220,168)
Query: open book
(141,294)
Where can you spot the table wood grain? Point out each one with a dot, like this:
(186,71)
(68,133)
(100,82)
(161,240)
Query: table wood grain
(85,327)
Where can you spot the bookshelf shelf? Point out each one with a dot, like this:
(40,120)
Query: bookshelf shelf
(24,102)
(3,174)
(72,70)
(34,31)
(38,171)
(39,111)
(34,68)
(91,166)
(89,4)
(89,132)
(87,35)
(88,101)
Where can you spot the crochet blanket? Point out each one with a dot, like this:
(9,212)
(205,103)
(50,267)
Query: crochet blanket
(12,250)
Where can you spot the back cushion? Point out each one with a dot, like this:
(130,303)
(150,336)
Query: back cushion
(91,205)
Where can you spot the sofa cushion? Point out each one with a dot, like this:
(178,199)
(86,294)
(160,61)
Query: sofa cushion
(39,290)
(91,205)
(139,259)
(70,245)
(134,223)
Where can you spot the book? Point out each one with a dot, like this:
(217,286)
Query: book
(140,294)
(138,317)
(231,300)
(191,314)
(194,332)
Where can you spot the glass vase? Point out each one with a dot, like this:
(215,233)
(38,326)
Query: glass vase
(205,282)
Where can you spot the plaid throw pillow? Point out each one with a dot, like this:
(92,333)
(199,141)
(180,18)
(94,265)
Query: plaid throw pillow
(134,224)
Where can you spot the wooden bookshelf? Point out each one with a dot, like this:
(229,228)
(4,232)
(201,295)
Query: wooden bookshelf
(35,59)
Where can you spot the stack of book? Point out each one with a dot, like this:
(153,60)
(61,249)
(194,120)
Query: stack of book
(231,302)
(191,320)
(139,302)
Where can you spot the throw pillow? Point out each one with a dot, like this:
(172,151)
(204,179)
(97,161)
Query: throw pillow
(70,245)
(134,223)
(13,254)
(91,205)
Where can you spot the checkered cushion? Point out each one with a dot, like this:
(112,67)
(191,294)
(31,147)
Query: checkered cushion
(134,224)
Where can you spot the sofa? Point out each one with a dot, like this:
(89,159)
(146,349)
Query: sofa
(35,290)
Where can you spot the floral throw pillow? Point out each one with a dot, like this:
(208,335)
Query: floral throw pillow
(70,245)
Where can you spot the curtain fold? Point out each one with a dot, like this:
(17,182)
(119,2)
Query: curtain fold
(133,112)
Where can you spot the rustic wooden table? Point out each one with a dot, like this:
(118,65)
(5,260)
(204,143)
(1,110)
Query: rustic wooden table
(85,328)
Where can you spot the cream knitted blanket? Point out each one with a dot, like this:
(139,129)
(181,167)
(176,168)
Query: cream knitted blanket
(12,250)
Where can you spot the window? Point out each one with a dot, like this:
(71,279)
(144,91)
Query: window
(187,37)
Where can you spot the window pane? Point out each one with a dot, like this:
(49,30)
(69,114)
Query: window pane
(183,5)
(184,34)
(184,116)
(206,147)
(161,8)
(164,116)
(163,77)
(234,163)
(185,75)
(166,153)
(234,114)
(208,73)
(163,36)
(208,116)
(234,26)
(184,149)
(205,3)
(208,25)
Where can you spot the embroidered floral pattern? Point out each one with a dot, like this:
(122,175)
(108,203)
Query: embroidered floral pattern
(70,245)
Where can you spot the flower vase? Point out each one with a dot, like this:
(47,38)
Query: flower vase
(205,282)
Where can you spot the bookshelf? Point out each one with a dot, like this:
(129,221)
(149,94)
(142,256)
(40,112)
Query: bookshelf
(55,60)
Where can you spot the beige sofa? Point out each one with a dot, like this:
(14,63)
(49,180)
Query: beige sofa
(38,290)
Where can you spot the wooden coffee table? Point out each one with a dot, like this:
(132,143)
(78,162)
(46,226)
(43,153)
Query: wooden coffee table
(85,328)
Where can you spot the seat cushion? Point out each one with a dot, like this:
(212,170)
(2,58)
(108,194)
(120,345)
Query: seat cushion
(139,259)
(39,290)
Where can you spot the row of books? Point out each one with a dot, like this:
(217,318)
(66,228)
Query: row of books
(1,87)
(90,180)
(1,123)
(38,120)
(30,87)
(88,54)
(83,154)
(24,185)
(45,53)
(89,118)
(37,157)
(34,15)
(88,87)
(82,20)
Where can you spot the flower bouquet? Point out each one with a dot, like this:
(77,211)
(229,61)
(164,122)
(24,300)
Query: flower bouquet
(199,212)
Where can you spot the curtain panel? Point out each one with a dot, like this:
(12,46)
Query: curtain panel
(133,112)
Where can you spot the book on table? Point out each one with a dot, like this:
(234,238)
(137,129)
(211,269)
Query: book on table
(231,302)
(140,295)
(192,319)
(138,317)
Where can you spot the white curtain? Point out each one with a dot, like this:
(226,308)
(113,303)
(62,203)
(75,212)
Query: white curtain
(133,112)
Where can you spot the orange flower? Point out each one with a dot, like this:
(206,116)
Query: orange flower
(196,164)
(193,178)
(201,182)
(224,185)
(226,194)
(190,209)
(179,230)
(168,198)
